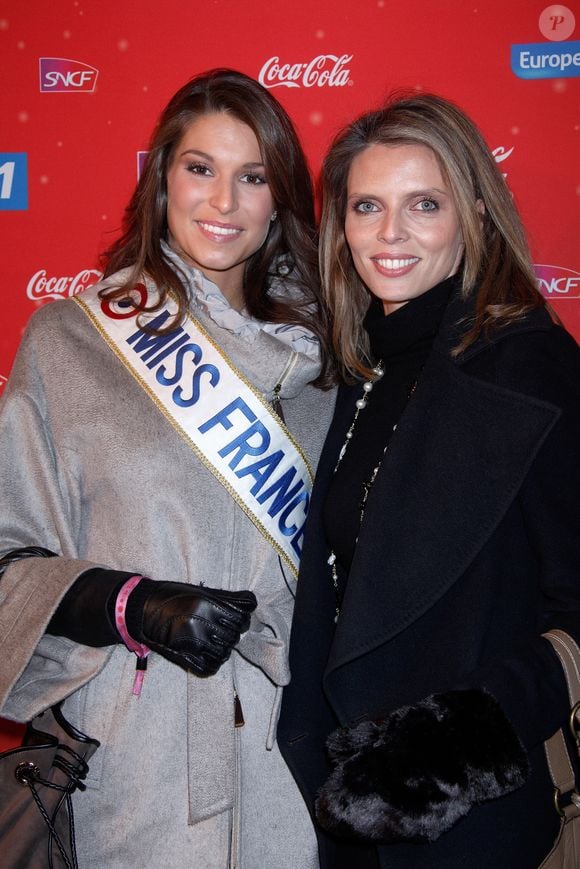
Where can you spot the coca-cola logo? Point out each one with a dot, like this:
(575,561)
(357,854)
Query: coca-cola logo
(2,381)
(324,70)
(500,154)
(41,287)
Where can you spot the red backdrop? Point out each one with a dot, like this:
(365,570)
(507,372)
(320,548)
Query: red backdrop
(84,80)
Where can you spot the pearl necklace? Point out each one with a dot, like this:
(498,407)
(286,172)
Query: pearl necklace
(360,404)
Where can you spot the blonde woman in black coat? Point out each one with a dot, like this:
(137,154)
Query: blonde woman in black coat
(444,531)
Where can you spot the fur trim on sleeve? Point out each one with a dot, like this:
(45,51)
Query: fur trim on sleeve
(413,775)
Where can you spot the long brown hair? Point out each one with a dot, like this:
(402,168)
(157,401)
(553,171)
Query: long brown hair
(496,263)
(290,247)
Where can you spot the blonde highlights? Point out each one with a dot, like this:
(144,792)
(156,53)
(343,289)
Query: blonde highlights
(496,263)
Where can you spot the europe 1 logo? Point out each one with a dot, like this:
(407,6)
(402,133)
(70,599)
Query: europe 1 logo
(557,58)
(13,181)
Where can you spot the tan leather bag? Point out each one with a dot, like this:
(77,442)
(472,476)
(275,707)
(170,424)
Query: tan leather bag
(566,852)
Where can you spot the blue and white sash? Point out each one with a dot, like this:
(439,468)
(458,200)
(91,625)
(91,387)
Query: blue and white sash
(227,423)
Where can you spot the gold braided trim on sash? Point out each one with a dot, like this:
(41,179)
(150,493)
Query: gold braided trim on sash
(185,437)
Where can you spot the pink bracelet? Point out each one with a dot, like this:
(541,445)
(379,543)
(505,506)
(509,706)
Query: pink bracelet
(139,648)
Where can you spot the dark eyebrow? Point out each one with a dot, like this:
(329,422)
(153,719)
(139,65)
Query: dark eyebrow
(210,159)
(197,153)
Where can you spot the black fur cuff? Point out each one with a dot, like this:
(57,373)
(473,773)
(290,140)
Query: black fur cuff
(415,774)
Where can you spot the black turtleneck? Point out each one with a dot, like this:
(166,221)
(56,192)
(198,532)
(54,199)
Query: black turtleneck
(402,340)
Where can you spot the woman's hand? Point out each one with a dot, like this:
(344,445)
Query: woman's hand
(191,625)
(413,775)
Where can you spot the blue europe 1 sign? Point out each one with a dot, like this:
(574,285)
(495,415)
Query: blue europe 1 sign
(556,58)
(13,181)
(542,60)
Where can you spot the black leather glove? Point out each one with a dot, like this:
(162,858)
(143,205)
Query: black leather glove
(413,775)
(191,625)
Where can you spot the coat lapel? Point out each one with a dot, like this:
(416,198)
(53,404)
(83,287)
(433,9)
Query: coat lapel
(459,455)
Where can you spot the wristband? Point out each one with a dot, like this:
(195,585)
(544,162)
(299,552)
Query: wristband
(139,649)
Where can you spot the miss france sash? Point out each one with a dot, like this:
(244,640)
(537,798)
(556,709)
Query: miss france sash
(218,413)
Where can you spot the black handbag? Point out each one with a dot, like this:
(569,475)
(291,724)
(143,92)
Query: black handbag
(36,783)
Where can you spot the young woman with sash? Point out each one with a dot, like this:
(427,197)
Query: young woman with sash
(159,434)
(443,537)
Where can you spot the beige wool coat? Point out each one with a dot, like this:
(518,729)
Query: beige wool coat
(91,470)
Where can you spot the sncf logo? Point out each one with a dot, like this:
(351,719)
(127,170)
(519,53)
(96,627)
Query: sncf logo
(557,282)
(59,74)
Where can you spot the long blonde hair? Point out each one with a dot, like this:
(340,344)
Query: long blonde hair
(496,263)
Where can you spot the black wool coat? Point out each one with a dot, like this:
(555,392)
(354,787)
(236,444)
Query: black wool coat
(469,550)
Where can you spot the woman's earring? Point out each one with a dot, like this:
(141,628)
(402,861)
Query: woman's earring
(274,216)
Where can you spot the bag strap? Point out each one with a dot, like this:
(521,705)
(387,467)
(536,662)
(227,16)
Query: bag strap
(559,763)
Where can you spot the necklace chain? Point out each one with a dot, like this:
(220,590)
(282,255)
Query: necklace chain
(360,404)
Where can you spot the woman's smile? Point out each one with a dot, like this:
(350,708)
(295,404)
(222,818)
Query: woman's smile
(401,225)
(394,266)
(219,232)
(219,204)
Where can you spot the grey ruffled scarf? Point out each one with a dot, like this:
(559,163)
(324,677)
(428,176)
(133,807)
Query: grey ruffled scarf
(208,296)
